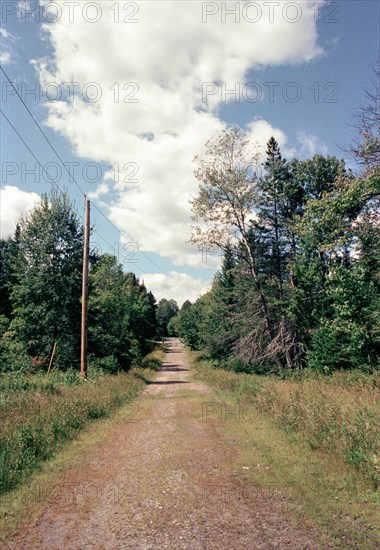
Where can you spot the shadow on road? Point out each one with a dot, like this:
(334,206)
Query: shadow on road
(169,382)
(173,369)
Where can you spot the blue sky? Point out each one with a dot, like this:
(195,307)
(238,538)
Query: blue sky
(151,83)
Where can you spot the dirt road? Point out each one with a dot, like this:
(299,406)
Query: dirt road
(165,476)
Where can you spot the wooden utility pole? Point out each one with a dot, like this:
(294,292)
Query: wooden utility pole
(84,324)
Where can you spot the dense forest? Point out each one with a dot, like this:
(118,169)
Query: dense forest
(300,279)
(299,284)
(40,297)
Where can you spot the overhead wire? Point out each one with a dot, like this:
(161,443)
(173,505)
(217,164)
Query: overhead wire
(51,180)
(119,254)
(43,133)
(71,176)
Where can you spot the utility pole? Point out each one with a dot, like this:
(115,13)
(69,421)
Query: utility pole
(84,324)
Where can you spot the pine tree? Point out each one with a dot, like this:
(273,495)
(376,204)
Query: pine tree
(47,290)
(219,336)
(8,250)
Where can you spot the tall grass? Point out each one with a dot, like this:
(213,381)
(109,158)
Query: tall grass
(339,414)
(37,413)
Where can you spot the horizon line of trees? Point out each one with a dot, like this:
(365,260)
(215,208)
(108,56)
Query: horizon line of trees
(299,284)
(300,279)
(40,297)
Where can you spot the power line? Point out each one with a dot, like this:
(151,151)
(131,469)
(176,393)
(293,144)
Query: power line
(57,186)
(43,133)
(51,181)
(123,233)
(119,254)
(30,151)
(71,176)
(48,176)
(53,148)
(67,170)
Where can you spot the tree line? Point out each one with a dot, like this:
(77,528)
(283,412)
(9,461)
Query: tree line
(40,297)
(299,284)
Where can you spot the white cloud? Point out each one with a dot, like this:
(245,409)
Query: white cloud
(261,131)
(174,285)
(7,40)
(165,58)
(5,58)
(310,145)
(13,203)
(101,190)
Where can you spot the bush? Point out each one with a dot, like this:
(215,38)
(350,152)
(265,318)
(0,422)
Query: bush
(337,344)
(107,364)
(153,360)
(13,356)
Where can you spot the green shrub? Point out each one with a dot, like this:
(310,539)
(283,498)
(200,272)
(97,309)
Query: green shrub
(13,356)
(107,364)
(337,344)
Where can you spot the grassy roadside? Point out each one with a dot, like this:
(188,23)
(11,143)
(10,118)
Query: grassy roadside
(275,423)
(54,481)
(337,415)
(39,414)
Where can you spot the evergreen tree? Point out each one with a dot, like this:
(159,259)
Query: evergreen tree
(166,309)
(8,251)
(47,289)
(219,336)
(302,285)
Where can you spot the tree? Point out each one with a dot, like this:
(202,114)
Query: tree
(316,176)
(166,309)
(224,207)
(8,250)
(335,231)
(190,323)
(174,323)
(47,289)
(143,320)
(121,315)
(186,304)
(108,332)
(281,198)
(219,335)
(366,147)
(299,282)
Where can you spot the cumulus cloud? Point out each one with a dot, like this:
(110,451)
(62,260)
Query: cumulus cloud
(13,203)
(7,53)
(261,131)
(101,190)
(174,285)
(144,108)
(310,145)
